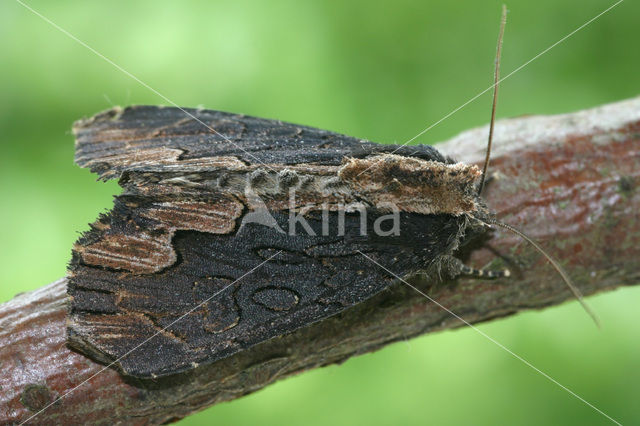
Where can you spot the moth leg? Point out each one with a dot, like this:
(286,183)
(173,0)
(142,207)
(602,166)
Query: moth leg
(483,273)
(456,268)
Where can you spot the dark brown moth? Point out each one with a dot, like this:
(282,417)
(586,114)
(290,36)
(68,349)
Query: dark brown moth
(176,234)
(220,242)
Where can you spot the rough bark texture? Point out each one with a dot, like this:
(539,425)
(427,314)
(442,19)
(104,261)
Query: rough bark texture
(571,182)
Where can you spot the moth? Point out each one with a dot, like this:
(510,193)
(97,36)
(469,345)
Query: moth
(231,230)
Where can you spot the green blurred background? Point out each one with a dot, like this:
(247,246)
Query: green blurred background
(377,70)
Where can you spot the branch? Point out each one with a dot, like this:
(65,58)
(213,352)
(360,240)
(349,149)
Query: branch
(569,181)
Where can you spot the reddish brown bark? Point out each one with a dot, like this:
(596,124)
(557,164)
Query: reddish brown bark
(571,182)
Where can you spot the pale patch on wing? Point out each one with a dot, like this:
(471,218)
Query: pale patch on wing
(413,185)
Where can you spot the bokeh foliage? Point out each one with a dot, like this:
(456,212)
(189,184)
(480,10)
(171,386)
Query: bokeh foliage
(382,71)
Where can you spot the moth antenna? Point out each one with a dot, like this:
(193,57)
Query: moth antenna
(496,80)
(576,292)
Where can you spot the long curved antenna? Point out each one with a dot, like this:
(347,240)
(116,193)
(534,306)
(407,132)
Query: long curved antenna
(576,292)
(496,80)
